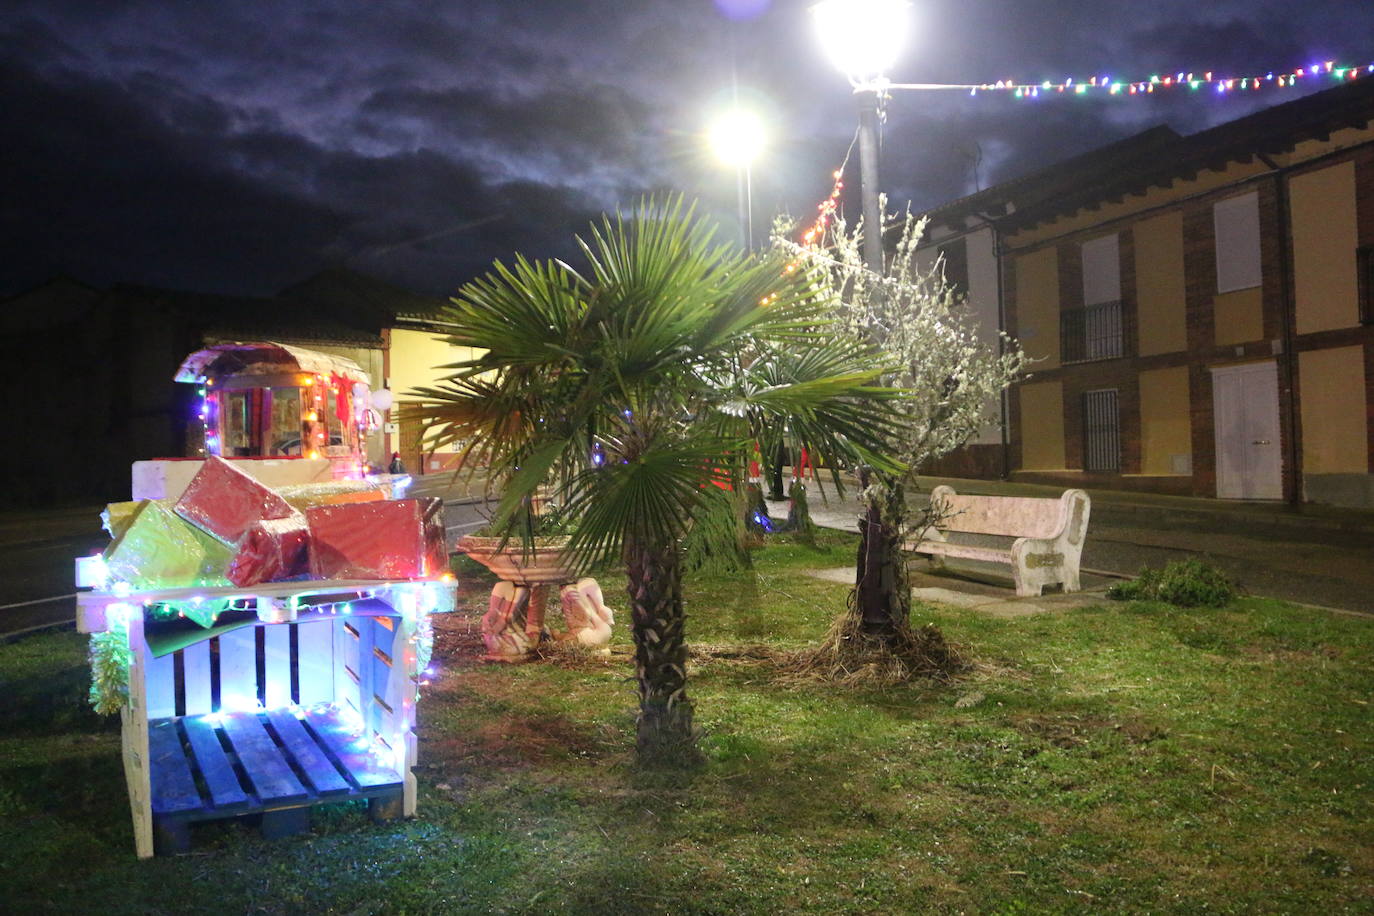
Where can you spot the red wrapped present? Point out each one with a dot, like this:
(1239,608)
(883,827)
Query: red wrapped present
(223,501)
(392,539)
(272,550)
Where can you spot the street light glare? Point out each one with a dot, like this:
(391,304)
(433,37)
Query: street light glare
(862,37)
(737,137)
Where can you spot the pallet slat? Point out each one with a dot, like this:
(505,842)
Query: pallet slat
(318,769)
(362,765)
(315,661)
(238,669)
(173,787)
(261,759)
(161,687)
(195,661)
(276,666)
(214,764)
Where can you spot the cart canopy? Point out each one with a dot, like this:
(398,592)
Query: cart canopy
(236,360)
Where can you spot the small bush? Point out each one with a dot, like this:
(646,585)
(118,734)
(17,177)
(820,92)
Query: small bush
(1184,583)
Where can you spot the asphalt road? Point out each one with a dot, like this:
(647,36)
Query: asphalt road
(37,556)
(1321,566)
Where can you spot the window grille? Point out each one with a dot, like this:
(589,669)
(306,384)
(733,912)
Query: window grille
(1090,333)
(1101,431)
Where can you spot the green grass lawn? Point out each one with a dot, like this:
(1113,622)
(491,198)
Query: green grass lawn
(1135,758)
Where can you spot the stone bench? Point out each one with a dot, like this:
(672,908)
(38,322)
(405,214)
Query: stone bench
(1040,539)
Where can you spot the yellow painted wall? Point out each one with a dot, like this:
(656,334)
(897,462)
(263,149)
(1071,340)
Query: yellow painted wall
(1159,284)
(1334,426)
(1238,316)
(1037,306)
(414,358)
(1324,242)
(1042,426)
(1165,419)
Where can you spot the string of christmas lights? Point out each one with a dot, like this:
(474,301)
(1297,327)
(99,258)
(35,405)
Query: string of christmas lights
(1183,79)
(813,235)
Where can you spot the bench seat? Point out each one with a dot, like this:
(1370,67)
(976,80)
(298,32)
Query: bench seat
(965,551)
(1041,540)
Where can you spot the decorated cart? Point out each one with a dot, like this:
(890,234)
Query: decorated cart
(270,400)
(262,630)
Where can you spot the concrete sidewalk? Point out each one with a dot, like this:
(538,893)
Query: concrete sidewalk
(1316,555)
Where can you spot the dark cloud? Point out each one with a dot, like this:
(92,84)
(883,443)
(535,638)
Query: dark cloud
(235,147)
(567,133)
(146,182)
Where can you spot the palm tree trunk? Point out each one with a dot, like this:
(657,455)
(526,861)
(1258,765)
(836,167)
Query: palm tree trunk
(882,594)
(658,621)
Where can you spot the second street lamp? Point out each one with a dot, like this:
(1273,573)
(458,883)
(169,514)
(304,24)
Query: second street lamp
(737,138)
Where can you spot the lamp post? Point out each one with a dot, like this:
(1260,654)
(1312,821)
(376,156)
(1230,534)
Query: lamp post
(863,39)
(737,138)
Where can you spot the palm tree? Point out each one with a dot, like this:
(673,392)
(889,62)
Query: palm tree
(630,386)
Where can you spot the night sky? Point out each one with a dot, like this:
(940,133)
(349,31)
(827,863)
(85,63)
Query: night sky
(238,147)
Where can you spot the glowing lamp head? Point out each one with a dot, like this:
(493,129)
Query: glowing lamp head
(737,137)
(862,38)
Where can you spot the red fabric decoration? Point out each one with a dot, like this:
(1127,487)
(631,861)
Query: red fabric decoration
(343,388)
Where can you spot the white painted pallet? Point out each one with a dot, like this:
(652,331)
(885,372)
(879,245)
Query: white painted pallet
(325,665)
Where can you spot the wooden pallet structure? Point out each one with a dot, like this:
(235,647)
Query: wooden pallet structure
(309,699)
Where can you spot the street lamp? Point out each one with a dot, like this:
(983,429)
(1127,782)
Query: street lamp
(736,138)
(863,38)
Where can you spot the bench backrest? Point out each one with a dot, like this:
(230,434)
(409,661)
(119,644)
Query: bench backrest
(1006,516)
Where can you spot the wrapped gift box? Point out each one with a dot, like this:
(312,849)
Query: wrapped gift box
(272,550)
(224,501)
(302,496)
(117,516)
(394,539)
(159,549)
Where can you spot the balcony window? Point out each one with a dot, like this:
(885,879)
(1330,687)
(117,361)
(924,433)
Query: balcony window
(1091,333)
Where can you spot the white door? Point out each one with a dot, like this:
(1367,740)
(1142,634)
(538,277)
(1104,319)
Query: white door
(1245,408)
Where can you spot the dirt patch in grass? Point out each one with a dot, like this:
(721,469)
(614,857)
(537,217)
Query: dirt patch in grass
(1075,731)
(532,740)
(1283,655)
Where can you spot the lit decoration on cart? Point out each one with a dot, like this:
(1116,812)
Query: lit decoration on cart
(265,645)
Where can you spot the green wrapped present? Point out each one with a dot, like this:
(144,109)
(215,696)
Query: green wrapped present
(116,517)
(158,549)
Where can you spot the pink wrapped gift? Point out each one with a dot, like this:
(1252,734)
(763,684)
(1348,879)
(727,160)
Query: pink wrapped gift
(223,501)
(271,550)
(393,539)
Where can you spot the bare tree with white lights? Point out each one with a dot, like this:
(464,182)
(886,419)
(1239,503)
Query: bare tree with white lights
(950,377)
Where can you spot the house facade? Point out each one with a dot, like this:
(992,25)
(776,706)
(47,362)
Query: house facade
(1200,317)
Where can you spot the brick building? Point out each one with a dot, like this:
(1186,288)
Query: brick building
(1199,308)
